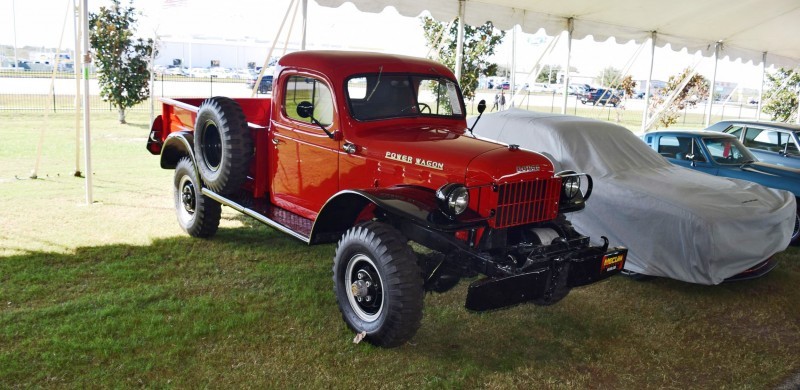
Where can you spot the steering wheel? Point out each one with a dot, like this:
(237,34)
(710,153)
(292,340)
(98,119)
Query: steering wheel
(420,106)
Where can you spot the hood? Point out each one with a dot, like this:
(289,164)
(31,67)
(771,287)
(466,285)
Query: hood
(458,157)
(774,176)
(711,198)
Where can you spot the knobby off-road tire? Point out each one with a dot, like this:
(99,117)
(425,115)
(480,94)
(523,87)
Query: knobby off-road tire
(198,214)
(222,144)
(378,284)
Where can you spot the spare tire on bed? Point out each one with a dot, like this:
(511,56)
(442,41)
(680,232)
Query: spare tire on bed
(222,144)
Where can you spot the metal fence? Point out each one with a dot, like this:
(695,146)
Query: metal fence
(40,91)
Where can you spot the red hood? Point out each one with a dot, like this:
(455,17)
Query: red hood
(452,156)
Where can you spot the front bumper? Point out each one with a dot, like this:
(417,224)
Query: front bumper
(561,273)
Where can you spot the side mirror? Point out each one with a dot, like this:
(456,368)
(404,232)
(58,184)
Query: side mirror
(305,109)
(481,109)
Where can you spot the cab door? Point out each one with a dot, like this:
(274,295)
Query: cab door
(305,159)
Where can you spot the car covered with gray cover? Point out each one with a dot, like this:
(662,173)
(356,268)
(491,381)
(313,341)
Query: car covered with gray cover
(676,222)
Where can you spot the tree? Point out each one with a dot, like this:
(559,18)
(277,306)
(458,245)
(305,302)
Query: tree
(479,44)
(696,88)
(610,77)
(549,74)
(781,94)
(627,85)
(122,60)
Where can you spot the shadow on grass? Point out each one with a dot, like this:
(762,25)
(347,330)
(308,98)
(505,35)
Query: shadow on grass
(252,307)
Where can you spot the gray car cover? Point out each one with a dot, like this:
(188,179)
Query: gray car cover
(676,222)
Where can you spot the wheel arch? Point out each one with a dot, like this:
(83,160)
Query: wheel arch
(342,211)
(176,146)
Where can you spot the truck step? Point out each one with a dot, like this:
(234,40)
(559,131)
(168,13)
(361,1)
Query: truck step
(269,214)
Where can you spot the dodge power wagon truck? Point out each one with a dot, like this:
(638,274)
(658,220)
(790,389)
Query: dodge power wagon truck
(373,151)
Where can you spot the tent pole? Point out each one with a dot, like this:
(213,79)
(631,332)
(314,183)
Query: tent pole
(713,86)
(76,63)
(531,78)
(512,88)
(271,49)
(649,85)
(305,24)
(87,137)
(460,40)
(570,27)
(761,88)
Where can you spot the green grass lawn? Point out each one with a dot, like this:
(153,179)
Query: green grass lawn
(114,294)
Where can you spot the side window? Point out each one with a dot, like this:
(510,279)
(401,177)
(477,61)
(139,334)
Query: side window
(309,89)
(697,152)
(786,142)
(668,146)
(792,147)
(762,139)
(735,130)
(687,146)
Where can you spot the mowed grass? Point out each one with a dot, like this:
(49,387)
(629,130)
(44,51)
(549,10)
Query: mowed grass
(114,294)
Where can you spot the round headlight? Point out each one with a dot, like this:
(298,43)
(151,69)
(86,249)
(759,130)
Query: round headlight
(453,198)
(571,187)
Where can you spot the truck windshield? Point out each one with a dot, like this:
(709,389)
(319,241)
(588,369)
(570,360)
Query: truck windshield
(383,96)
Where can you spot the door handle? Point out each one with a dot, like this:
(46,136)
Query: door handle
(276,141)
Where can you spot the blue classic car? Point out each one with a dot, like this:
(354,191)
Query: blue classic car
(723,155)
(772,142)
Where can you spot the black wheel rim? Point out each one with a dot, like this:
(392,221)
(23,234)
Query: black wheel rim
(364,288)
(212,145)
(187,199)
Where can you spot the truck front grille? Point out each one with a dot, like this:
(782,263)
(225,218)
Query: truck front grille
(527,202)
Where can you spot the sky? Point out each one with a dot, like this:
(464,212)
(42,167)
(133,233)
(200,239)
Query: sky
(41,22)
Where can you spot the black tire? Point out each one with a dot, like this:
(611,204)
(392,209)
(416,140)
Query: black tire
(198,214)
(795,241)
(222,144)
(378,284)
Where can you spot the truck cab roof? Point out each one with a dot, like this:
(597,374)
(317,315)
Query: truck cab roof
(342,64)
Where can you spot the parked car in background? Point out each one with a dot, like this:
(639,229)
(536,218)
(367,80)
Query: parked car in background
(264,87)
(199,72)
(772,142)
(541,87)
(600,96)
(676,222)
(722,154)
(176,71)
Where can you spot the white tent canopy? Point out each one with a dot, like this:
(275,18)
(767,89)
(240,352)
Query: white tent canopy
(745,28)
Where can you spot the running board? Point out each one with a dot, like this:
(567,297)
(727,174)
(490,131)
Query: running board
(261,216)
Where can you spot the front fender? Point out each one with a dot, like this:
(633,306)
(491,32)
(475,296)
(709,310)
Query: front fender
(397,204)
(177,145)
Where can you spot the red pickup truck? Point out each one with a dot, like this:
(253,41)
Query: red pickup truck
(373,151)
